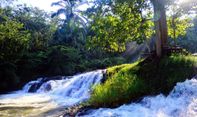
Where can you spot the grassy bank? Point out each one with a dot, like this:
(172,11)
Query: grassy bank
(129,82)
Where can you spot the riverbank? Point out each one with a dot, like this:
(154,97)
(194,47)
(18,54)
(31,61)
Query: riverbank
(131,82)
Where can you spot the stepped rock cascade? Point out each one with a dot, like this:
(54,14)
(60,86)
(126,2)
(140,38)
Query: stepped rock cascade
(181,102)
(50,98)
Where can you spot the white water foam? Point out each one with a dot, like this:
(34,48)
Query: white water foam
(51,98)
(181,102)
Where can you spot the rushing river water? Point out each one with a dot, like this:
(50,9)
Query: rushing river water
(50,98)
(181,102)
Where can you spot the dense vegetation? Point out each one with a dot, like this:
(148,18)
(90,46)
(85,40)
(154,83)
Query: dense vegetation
(130,82)
(33,46)
(34,43)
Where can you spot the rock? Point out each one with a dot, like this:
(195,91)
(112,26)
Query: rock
(36,85)
(77,110)
(195,76)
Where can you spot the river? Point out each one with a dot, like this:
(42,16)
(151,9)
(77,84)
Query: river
(53,96)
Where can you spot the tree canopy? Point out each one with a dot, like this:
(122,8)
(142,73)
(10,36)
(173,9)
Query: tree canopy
(13,39)
(118,24)
(36,43)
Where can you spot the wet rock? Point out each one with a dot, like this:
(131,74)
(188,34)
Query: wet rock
(36,85)
(77,110)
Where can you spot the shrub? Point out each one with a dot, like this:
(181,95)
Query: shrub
(62,60)
(8,77)
(13,39)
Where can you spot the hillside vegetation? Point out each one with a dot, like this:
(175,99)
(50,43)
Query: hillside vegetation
(129,82)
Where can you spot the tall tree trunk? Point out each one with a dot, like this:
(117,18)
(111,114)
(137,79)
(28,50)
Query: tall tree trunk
(160,25)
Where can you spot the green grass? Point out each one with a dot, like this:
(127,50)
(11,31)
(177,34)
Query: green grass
(130,82)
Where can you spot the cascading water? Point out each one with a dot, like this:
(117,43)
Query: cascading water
(181,102)
(49,98)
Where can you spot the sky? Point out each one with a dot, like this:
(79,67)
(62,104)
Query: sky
(45,4)
(42,4)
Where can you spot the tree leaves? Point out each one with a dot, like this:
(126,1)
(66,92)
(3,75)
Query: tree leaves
(13,40)
(74,27)
(121,24)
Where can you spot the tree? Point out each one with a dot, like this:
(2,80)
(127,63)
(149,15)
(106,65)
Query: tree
(73,28)
(159,7)
(161,22)
(13,39)
(189,40)
(160,25)
(178,27)
(38,23)
(113,25)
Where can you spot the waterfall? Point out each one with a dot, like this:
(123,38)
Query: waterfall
(181,102)
(48,97)
(43,97)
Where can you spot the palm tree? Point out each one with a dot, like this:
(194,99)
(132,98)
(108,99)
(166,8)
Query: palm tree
(74,20)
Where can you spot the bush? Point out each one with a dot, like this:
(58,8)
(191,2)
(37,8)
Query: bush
(62,60)
(129,82)
(105,62)
(55,60)
(120,86)
(30,65)
(59,60)
(8,77)
(13,39)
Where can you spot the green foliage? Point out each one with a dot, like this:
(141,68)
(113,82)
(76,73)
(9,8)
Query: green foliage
(73,28)
(121,23)
(62,60)
(122,85)
(13,40)
(56,60)
(178,27)
(8,76)
(103,63)
(37,47)
(129,82)
(30,65)
(65,60)
(189,41)
(37,22)
(70,34)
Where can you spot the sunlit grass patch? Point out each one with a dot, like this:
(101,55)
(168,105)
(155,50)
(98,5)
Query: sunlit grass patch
(129,82)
